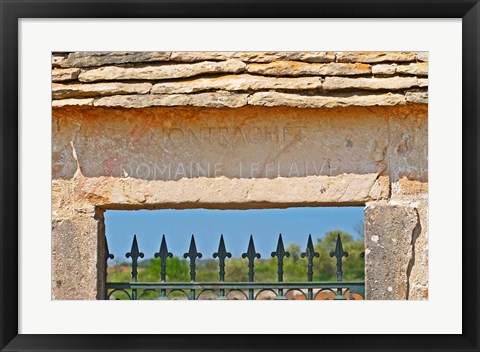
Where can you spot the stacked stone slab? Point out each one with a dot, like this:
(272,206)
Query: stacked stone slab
(236,79)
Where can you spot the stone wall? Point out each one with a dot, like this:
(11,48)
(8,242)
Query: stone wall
(236,131)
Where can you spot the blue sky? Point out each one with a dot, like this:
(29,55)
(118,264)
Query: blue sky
(236,226)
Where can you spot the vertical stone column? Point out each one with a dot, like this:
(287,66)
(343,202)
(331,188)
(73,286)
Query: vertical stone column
(77,270)
(390,235)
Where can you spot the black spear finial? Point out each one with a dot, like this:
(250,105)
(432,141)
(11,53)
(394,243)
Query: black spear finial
(192,255)
(280,253)
(339,253)
(251,254)
(163,254)
(134,254)
(310,254)
(221,254)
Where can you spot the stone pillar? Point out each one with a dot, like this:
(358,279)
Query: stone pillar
(390,235)
(77,267)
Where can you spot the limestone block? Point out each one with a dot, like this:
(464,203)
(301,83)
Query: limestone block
(418,279)
(240,82)
(108,73)
(62,91)
(57,59)
(75,256)
(406,186)
(423,82)
(216,99)
(373,57)
(408,146)
(294,68)
(381,188)
(390,83)
(65,74)
(162,143)
(422,56)
(252,56)
(66,102)
(324,101)
(417,97)
(390,232)
(101,58)
(417,68)
(384,69)
(232,193)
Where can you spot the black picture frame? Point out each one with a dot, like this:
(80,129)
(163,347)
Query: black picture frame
(12,11)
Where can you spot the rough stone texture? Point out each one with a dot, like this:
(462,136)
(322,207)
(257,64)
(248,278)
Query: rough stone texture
(100,58)
(407,186)
(57,59)
(383,69)
(422,82)
(295,68)
(65,74)
(390,233)
(109,73)
(323,79)
(325,101)
(422,56)
(72,102)
(391,83)
(75,254)
(381,188)
(408,147)
(62,91)
(417,97)
(237,83)
(252,142)
(252,56)
(213,100)
(373,57)
(418,279)
(223,192)
(418,69)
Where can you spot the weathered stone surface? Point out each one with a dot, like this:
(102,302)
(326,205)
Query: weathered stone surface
(237,83)
(57,59)
(381,188)
(130,193)
(390,83)
(383,69)
(75,254)
(252,56)
(216,100)
(406,186)
(65,74)
(422,82)
(422,56)
(109,73)
(100,58)
(295,68)
(418,279)
(372,57)
(251,142)
(417,97)
(62,91)
(324,101)
(67,102)
(408,146)
(390,233)
(417,68)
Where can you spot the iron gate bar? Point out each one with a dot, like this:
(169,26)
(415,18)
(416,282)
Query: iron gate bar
(225,288)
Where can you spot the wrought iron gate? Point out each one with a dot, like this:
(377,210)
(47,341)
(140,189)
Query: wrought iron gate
(251,290)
